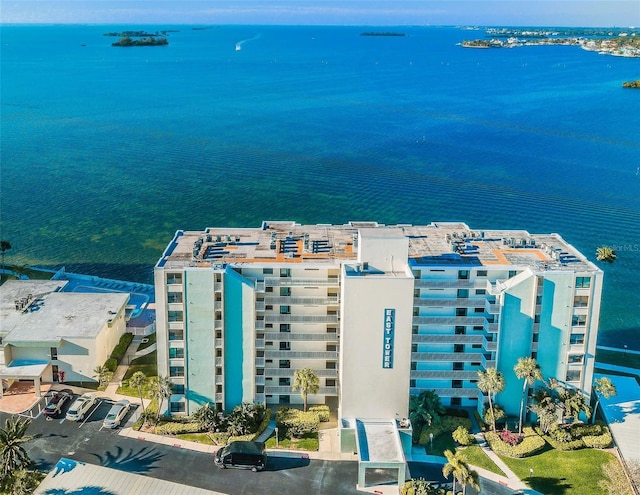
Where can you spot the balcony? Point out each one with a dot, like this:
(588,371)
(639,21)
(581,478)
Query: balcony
(217,305)
(218,361)
(301,318)
(447,339)
(466,357)
(447,284)
(219,380)
(289,372)
(301,301)
(449,392)
(300,355)
(488,362)
(259,286)
(301,282)
(307,337)
(443,375)
(458,302)
(217,324)
(260,380)
(219,397)
(450,320)
(259,362)
(489,345)
(496,288)
(260,306)
(259,324)
(286,390)
(218,343)
(259,343)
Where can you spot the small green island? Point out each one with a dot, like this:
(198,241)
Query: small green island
(149,41)
(631,84)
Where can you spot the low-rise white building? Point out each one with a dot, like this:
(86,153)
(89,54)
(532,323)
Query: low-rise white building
(45,331)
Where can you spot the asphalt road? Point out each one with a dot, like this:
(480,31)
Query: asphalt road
(89,442)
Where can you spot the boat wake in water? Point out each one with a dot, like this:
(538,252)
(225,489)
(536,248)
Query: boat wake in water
(242,42)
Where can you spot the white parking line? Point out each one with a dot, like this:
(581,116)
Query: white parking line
(97,404)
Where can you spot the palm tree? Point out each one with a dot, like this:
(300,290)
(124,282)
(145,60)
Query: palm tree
(573,403)
(307,382)
(4,246)
(103,374)
(544,406)
(472,479)
(605,253)
(603,388)
(138,380)
(491,382)
(12,454)
(161,388)
(456,466)
(529,369)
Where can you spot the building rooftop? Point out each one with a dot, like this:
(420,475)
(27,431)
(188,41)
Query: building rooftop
(439,243)
(49,316)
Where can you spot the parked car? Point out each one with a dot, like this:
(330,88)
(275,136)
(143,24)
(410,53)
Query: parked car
(116,414)
(56,401)
(242,454)
(80,407)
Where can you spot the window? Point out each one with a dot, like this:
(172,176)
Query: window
(268,307)
(284,381)
(576,358)
(285,291)
(414,347)
(414,366)
(412,384)
(461,311)
(458,366)
(536,318)
(176,370)
(476,346)
(54,353)
(174,278)
(482,273)
(463,274)
(579,320)
(458,348)
(174,297)
(460,330)
(463,293)
(538,300)
(580,301)
(456,401)
(573,375)
(332,347)
(285,363)
(176,353)
(481,292)
(478,328)
(416,292)
(478,310)
(285,272)
(330,365)
(416,311)
(177,407)
(285,346)
(268,289)
(536,337)
(267,271)
(512,273)
(178,389)
(331,382)
(576,339)
(414,329)
(175,316)
(285,327)
(285,310)
(583,282)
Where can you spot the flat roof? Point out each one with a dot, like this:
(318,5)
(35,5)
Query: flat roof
(58,315)
(439,243)
(623,414)
(17,290)
(378,441)
(71,476)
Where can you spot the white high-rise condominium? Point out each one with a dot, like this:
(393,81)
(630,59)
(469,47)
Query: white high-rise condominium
(378,312)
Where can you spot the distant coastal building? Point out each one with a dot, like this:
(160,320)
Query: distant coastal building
(45,332)
(378,312)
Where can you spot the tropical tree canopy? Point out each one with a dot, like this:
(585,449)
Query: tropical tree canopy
(13,456)
(418,486)
(138,380)
(424,410)
(491,382)
(455,466)
(307,382)
(528,369)
(603,387)
(4,247)
(605,253)
(160,388)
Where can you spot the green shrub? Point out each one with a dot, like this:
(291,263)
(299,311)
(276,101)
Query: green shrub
(111,364)
(176,428)
(582,430)
(560,439)
(121,348)
(447,424)
(297,423)
(462,436)
(530,444)
(323,412)
(603,441)
(150,412)
(308,443)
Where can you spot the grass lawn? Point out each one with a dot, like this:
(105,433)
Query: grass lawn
(202,438)
(151,339)
(308,442)
(562,473)
(474,455)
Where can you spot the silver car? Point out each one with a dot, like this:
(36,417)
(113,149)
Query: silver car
(80,407)
(116,414)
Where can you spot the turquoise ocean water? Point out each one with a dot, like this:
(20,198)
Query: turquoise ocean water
(106,151)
